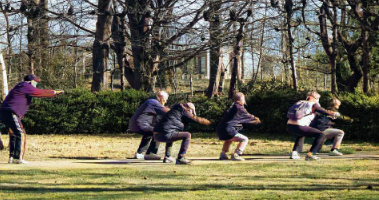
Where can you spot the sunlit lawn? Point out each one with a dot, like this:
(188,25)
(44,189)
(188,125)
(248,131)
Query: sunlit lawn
(95,167)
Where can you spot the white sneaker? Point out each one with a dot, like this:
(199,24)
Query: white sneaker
(152,156)
(223,156)
(335,153)
(19,161)
(236,157)
(311,158)
(10,160)
(138,156)
(240,153)
(295,155)
(168,159)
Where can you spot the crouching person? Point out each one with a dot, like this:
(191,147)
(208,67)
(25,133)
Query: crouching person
(170,128)
(325,122)
(143,122)
(300,117)
(230,125)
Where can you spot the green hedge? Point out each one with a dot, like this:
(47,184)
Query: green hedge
(81,111)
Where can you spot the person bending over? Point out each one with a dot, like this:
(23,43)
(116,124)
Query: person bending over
(143,122)
(230,125)
(14,108)
(170,128)
(300,126)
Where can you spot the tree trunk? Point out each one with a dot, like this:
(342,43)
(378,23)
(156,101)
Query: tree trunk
(215,38)
(365,60)
(236,55)
(101,45)
(289,11)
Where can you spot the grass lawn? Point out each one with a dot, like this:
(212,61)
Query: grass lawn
(96,167)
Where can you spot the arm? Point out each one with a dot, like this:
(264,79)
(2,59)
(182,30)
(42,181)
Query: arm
(35,92)
(245,117)
(195,118)
(317,108)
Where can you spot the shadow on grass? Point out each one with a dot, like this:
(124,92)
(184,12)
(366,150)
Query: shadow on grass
(80,157)
(185,188)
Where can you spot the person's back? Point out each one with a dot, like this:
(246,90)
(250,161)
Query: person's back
(145,117)
(172,120)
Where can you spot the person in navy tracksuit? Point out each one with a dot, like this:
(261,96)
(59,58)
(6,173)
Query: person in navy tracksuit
(171,127)
(14,108)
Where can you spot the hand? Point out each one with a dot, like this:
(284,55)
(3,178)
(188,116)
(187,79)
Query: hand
(336,114)
(57,92)
(256,121)
(207,122)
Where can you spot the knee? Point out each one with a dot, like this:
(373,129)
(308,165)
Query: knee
(341,133)
(245,139)
(189,136)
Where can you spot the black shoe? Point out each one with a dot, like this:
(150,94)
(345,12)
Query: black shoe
(183,161)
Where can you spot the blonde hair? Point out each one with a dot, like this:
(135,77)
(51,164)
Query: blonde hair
(336,101)
(238,96)
(313,94)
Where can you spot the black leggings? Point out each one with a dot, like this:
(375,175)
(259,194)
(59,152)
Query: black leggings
(306,131)
(148,143)
(169,138)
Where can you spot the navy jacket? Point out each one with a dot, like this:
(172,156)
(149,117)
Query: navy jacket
(321,122)
(176,119)
(232,121)
(145,117)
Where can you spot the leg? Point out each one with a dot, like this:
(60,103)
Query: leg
(243,140)
(226,146)
(312,132)
(337,134)
(186,139)
(145,142)
(153,147)
(299,142)
(168,149)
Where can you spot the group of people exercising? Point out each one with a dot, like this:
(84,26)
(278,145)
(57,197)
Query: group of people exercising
(157,123)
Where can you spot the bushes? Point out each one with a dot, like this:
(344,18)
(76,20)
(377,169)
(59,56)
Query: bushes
(81,111)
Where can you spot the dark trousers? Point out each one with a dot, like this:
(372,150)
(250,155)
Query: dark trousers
(13,122)
(169,138)
(306,131)
(148,143)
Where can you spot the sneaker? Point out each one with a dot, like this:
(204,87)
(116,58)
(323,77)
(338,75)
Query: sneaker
(138,156)
(19,161)
(236,157)
(239,153)
(335,152)
(152,156)
(183,161)
(223,156)
(295,155)
(311,158)
(168,159)
(10,160)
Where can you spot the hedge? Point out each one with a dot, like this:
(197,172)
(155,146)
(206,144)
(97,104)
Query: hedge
(81,111)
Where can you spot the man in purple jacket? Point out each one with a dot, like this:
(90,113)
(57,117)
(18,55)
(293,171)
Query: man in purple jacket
(143,122)
(14,108)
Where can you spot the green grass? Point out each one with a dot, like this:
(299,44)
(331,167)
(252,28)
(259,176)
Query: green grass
(94,167)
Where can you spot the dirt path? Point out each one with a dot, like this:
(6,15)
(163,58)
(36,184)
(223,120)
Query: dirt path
(111,163)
